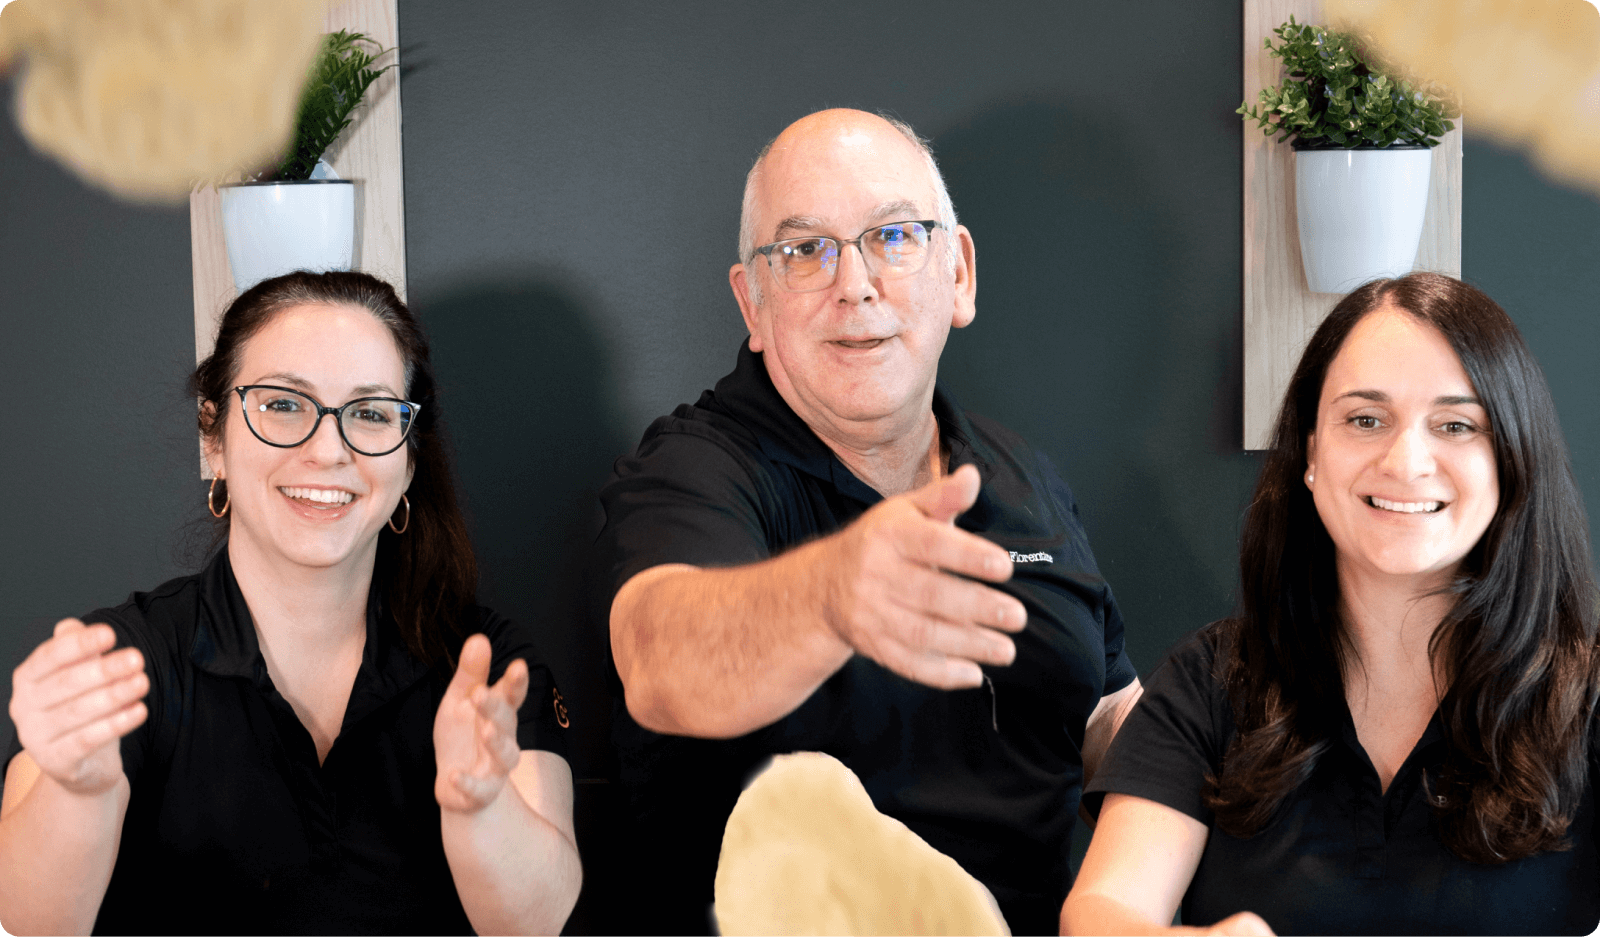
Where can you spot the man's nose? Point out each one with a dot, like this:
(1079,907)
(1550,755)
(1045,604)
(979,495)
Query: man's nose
(853,281)
(1409,454)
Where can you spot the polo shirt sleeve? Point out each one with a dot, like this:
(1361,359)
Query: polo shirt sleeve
(1119,667)
(543,719)
(686,495)
(1173,738)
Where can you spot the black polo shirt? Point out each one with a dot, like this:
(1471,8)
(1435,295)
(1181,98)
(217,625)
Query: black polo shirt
(1342,857)
(233,827)
(989,776)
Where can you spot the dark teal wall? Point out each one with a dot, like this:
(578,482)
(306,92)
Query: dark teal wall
(573,175)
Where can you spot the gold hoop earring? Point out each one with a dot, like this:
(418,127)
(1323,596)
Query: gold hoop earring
(402,528)
(211,498)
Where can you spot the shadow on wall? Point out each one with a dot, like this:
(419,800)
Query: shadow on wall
(1110,340)
(528,397)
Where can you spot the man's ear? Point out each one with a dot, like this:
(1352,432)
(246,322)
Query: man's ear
(210,442)
(966,278)
(739,279)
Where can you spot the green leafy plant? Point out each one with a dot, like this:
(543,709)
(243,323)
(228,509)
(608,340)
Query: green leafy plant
(1335,94)
(340,77)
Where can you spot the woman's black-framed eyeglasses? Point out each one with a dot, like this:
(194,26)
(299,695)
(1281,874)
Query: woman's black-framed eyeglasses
(286,418)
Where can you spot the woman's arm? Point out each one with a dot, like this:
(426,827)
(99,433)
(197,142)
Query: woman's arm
(515,862)
(511,847)
(65,793)
(1140,862)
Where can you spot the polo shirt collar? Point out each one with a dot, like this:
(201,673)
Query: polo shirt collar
(749,396)
(225,643)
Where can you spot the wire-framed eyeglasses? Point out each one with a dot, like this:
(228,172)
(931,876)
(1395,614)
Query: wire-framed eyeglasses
(287,418)
(805,265)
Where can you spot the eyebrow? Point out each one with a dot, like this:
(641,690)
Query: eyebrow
(795,223)
(294,380)
(365,390)
(1447,400)
(899,208)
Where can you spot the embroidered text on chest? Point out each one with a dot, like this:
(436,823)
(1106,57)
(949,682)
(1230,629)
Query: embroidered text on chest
(1031,557)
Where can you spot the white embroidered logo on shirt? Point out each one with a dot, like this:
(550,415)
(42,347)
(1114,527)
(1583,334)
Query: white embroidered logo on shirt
(1031,557)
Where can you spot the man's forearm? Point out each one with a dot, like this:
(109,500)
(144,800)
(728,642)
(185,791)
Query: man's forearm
(716,653)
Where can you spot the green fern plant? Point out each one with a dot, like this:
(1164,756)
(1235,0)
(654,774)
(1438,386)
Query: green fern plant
(1334,94)
(341,76)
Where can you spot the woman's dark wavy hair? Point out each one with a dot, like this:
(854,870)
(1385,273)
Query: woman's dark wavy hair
(428,576)
(1518,647)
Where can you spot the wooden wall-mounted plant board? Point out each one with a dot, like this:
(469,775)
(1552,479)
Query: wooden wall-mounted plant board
(368,152)
(1280,313)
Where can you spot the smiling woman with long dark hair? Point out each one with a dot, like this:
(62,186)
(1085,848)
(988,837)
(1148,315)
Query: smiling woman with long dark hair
(321,732)
(1395,734)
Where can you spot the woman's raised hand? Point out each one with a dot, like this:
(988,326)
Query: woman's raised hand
(475,732)
(73,698)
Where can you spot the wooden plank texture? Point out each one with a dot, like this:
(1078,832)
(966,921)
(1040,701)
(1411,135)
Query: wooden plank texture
(1280,313)
(368,152)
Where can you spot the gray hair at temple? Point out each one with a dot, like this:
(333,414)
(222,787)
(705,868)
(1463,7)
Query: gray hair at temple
(944,211)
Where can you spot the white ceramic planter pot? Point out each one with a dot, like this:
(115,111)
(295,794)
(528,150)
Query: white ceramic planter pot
(1360,213)
(273,228)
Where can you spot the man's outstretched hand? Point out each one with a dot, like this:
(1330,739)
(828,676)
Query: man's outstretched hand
(896,592)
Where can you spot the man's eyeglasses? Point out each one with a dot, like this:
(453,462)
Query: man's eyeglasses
(804,265)
(287,418)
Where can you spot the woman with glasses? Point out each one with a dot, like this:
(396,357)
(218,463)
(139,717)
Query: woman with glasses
(1395,733)
(320,732)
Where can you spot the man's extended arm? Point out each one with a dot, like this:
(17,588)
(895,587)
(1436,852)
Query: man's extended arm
(716,653)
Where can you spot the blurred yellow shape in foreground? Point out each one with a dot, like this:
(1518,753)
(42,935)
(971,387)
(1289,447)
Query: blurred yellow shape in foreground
(147,98)
(1527,71)
(805,852)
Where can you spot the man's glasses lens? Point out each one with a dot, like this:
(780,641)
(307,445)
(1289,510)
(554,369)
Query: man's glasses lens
(892,250)
(370,425)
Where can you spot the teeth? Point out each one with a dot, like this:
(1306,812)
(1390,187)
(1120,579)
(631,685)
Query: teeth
(1406,507)
(321,495)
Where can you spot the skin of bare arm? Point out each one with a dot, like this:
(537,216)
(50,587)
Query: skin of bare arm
(511,847)
(1138,867)
(717,653)
(61,814)
(1102,727)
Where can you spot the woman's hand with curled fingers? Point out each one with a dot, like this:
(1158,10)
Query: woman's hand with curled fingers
(73,698)
(475,731)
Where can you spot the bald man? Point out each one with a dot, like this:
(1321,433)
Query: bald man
(826,553)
